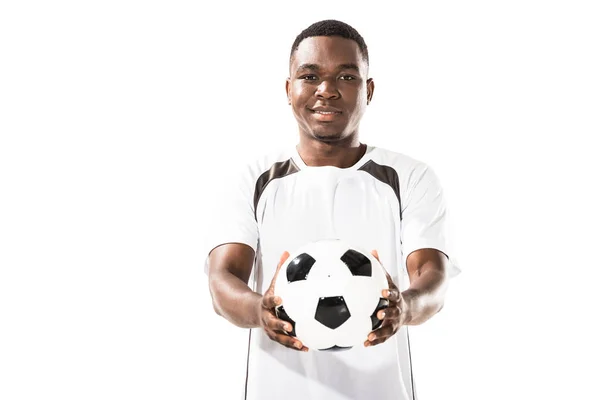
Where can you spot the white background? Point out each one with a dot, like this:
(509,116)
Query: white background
(119,120)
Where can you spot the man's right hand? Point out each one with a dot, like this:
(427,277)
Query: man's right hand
(274,327)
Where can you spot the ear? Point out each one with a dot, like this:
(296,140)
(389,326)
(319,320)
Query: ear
(370,89)
(288,88)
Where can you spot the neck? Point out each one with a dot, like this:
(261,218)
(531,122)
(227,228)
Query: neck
(341,154)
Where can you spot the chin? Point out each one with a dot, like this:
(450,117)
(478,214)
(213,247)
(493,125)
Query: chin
(328,136)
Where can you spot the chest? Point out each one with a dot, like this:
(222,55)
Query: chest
(314,205)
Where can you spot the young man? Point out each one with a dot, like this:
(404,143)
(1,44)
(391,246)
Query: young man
(330,186)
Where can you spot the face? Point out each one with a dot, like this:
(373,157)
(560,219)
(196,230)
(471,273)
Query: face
(328,88)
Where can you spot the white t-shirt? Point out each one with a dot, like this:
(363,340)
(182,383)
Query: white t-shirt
(387,201)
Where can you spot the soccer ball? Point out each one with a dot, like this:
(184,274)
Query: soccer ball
(331,293)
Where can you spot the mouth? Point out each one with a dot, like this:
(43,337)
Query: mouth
(325,114)
(325,110)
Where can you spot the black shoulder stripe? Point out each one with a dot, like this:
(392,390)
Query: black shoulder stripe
(277,170)
(385,174)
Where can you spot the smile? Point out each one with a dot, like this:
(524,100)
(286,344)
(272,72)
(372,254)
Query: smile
(325,116)
(326,112)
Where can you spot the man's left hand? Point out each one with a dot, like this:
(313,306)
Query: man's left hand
(394,315)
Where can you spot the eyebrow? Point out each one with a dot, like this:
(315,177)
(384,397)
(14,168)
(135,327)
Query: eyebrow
(349,66)
(312,67)
(315,67)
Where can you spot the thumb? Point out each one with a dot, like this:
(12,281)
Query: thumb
(282,259)
(376,255)
(387,274)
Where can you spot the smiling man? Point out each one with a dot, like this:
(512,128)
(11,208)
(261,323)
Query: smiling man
(330,186)
(328,88)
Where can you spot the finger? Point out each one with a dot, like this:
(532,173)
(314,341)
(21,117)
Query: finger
(391,283)
(384,332)
(287,341)
(376,342)
(391,314)
(275,324)
(391,294)
(269,301)
(282,259)
(376,255)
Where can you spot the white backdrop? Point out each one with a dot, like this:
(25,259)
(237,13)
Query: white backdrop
(119,119)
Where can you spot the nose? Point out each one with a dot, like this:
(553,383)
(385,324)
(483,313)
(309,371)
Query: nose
(327,90)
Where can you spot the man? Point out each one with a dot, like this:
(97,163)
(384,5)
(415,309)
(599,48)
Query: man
(330,186)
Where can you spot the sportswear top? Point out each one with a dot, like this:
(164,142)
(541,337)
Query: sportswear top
(386,201)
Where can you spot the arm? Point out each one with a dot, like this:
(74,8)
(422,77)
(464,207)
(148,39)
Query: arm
(423,225)
(229,268)
(428,283)
(422,300)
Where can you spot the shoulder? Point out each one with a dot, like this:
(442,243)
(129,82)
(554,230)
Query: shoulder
(257,165)
(250,169)
(414,176)
(407,167)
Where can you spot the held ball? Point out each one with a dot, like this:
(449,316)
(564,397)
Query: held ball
(331,293)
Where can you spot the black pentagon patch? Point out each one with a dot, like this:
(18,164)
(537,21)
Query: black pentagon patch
(299,267)
(357,263)
(376,322)
(281,314)
(336,348)
(332,311)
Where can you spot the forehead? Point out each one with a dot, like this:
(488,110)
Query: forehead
(328,52)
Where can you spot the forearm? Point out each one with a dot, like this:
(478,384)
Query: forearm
(234,300)
(425,296)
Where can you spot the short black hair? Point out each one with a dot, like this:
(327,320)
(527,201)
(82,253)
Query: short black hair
(332,27)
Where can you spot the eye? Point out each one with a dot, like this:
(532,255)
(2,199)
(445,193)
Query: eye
(347,78)
(308,77)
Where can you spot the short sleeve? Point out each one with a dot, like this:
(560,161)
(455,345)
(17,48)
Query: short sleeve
(232,220)
(425,221)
